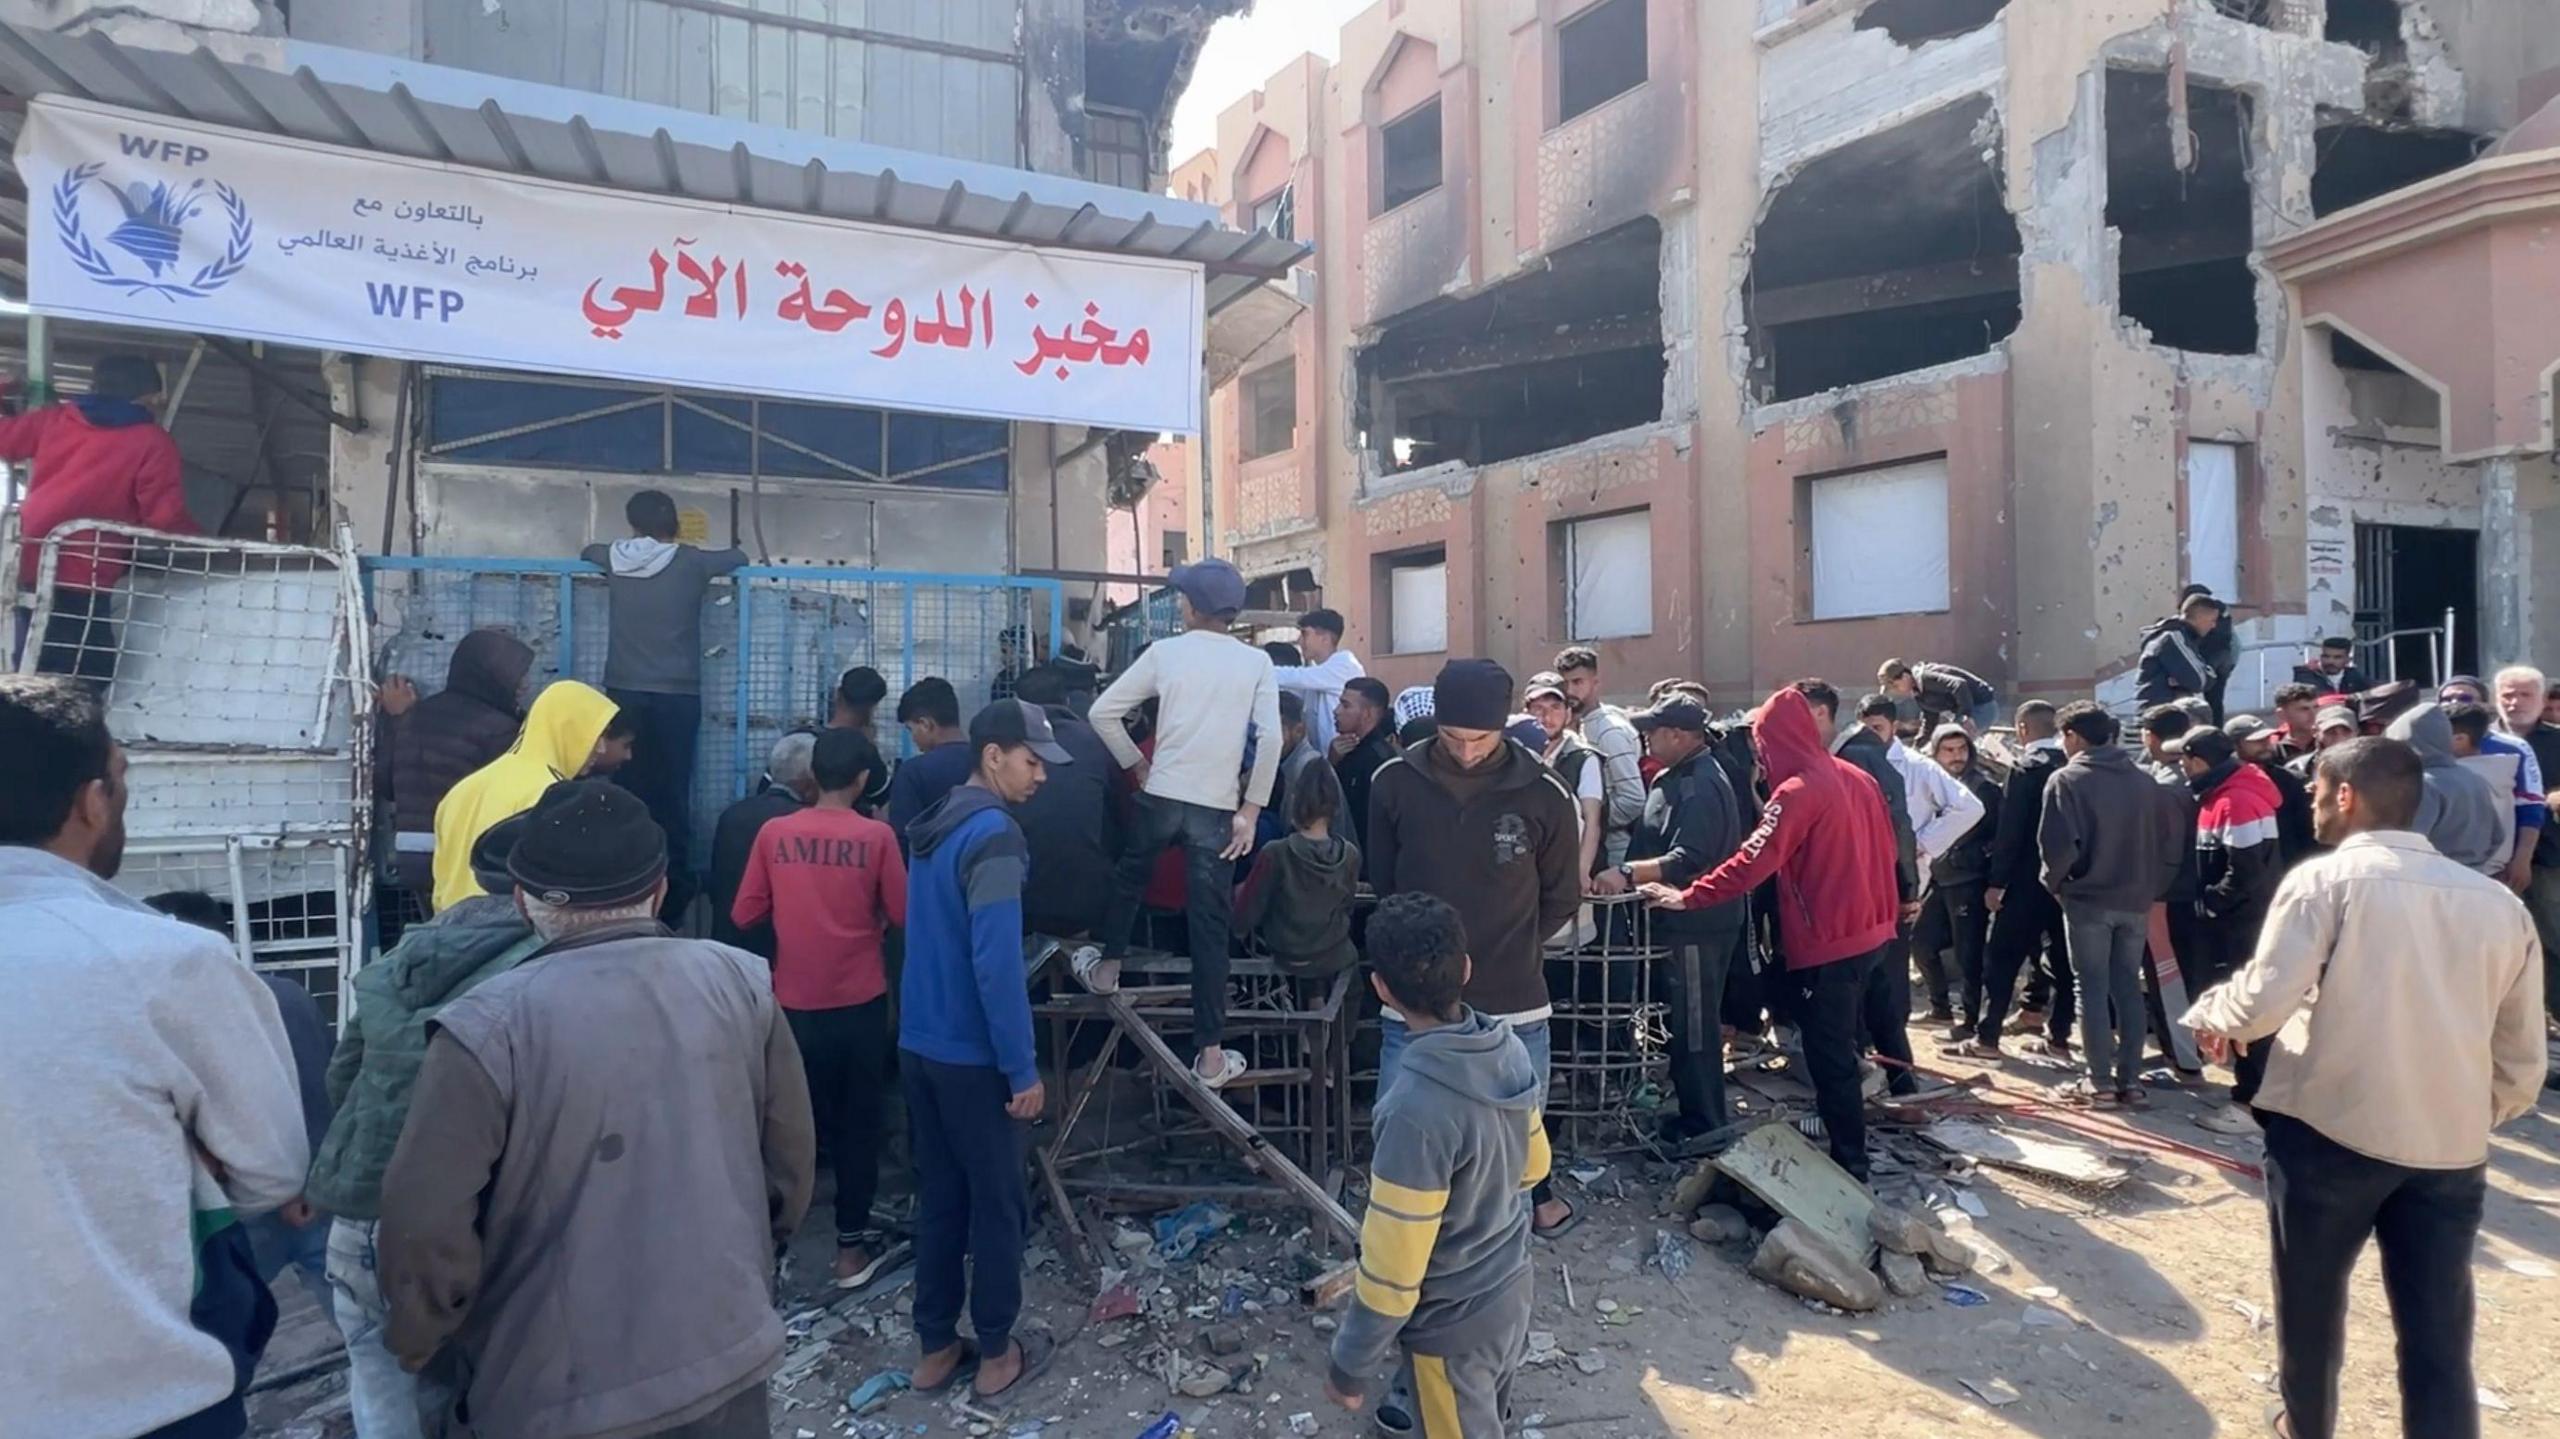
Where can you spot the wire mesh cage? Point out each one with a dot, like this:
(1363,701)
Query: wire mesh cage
(229,672)
(1608,1036)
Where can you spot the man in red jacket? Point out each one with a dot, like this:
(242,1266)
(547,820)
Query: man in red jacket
(1825,837)
(101,456)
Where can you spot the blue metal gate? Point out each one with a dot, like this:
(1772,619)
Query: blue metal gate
(774,642)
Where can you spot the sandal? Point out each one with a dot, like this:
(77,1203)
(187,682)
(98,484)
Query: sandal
(2081,1094)
(1097,974)
(883,1255)
(967,1368)
(1231,1067)
(1562,1227)
(1039,1348)
(1976,1049)
(2134,1098)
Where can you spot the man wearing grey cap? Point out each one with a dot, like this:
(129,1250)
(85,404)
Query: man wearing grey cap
(604,1150)
(1216,703)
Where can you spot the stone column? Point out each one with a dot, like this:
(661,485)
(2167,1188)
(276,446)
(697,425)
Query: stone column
(2506,567)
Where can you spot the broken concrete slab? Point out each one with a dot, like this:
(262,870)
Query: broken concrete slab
(1903,1274)
(2083,1164)
(1798,1260)
(1789,1175)
(1899,1230)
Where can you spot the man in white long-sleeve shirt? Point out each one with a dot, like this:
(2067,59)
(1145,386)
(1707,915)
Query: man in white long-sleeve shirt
(1942,809)
(1605,728)
(148,1094)
(1213,694)
(1321,679)
(2403,996)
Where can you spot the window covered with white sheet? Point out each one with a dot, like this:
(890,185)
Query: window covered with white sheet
(1879,541)
(1608,576)
(1418,606)
(2213,518)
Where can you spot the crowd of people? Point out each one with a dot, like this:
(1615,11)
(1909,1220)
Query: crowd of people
(553,1116)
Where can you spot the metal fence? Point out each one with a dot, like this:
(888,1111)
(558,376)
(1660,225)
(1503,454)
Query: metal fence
(231,676)
(775,641)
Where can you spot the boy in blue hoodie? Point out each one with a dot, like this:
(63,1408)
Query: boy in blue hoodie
(1444,1249)
(971,1078)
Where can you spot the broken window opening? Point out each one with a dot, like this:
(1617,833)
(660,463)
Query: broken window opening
(2370,25)
(2248,12)
(1891,254)
(1409,153)
(2360,162)
(1917,22)
(1600,55)
(1271,409)
(1277,213)
(2381,396)
(1567,352)
(2186,222)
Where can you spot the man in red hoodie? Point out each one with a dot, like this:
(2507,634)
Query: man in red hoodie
(1825,837)
(101,456)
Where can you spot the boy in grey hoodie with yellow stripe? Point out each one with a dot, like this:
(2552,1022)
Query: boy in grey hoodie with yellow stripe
(1459,1142)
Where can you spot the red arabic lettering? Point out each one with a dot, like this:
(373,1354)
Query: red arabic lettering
(631,299)
(1085,344)
(827,316)
(705,303)
(895,322)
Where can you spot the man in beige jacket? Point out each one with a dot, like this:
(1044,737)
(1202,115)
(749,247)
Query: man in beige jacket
(2404,995)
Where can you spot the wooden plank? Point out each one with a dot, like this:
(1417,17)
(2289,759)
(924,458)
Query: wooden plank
(1079,1245)
(1257,1151)
(2031,1154)
(1799,1181)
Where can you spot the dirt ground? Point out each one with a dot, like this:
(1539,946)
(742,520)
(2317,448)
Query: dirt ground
(2145,1313)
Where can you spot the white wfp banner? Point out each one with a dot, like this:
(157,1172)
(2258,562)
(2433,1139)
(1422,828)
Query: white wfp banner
(137,220)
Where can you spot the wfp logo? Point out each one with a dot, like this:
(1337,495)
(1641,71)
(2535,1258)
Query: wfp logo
(144,247)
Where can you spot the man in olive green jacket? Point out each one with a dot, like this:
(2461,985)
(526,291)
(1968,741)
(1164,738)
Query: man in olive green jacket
(370,1078)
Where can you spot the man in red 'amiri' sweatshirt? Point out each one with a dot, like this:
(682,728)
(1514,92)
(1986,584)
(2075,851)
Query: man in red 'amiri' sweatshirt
(832,880)
(101,456)
(1825,837)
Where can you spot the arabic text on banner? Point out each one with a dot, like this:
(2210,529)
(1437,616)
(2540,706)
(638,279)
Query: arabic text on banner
(138,220)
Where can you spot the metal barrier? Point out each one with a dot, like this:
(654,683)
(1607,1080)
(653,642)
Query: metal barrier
(775,641)
(232,676)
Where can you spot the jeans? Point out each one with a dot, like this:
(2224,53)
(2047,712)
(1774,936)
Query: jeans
(973,1201)
(280,1246)
(2106,952)
(2542,897)
(2026,936)
(1829,1005)
(1952,919)
(1691,979)
(1394,1038)
(845,1054)
(385,1398)
(668,730)
(1208,904)
(2323,1201)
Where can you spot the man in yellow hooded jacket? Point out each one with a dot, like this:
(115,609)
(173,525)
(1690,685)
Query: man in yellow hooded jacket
(572,730)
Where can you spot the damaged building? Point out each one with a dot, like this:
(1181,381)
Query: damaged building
(1756,339)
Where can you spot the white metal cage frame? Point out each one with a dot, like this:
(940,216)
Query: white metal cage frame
(233,675)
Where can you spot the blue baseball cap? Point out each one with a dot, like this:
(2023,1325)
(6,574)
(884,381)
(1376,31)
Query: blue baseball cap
(1213,586)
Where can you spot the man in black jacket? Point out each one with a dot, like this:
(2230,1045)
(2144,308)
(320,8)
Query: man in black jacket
(1069,823)
(2335,672)
(1953,922)
(2177,653)
(446,736)
(1364,738)
(788,785)
(2026,920)
(1941,693)
(1691,824)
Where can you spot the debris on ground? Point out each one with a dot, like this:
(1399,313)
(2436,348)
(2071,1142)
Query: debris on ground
(1179,1234)
(1789,1175)
(2081,1164)
(877,1390)
(1797,1259)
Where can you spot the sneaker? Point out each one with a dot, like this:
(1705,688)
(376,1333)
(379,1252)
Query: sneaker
(2230,1118)
(1960,1031)
(2026,1021)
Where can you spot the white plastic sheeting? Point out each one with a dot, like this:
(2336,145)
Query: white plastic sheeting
(1418,608)
(1609,576)
(1880,541)
(2213,518)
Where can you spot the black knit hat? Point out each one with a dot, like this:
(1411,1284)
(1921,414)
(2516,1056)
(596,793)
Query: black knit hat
(494,852)
(589,843)
(1472,694)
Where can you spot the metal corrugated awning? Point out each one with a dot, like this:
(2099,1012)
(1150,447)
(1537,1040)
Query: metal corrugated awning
(431,112)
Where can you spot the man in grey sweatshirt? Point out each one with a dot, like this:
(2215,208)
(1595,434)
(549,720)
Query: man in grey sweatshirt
(653,665)
(1444,1249)
(148,1094)
(2111,839)
(2458,808)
